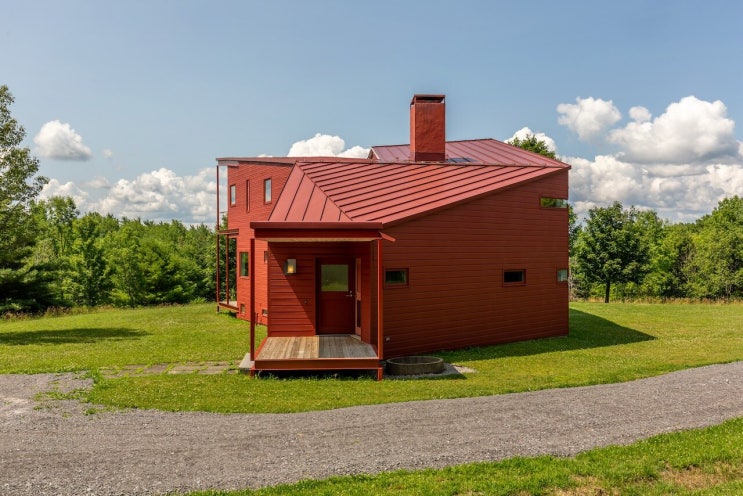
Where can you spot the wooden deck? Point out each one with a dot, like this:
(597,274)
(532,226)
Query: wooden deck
(330,352)
(228,305)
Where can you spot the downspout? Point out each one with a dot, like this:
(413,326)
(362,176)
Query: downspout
(216,240)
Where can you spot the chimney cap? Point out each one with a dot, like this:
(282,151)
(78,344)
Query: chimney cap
(424,98)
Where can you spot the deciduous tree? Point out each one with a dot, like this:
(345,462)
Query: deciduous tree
(19,185)
(610,248)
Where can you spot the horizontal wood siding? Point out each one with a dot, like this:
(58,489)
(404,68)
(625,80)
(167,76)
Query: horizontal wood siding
(240,215)
(456,297)
(292,299)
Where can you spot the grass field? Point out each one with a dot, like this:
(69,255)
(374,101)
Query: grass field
(607,343)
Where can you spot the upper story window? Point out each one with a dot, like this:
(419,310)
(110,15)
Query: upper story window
(547,202)
(244,264)
(247,195)
(233,195)
(267,190)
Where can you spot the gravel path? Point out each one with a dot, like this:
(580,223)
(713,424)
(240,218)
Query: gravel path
(53,448)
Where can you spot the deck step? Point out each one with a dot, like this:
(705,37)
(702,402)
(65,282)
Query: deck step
(246,364)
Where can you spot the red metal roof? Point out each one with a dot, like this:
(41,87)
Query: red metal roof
(486,151)
(370,191)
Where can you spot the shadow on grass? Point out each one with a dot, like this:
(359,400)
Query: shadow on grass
(70,336)
(586,331)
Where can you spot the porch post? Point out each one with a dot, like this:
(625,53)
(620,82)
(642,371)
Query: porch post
(380,302)
(216,238)
(251,257)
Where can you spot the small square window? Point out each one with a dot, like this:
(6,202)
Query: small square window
(553,202)
(514,277)
(264,312)
(396,278)
(562,275)
(233,195)
(267,190)
(244,264)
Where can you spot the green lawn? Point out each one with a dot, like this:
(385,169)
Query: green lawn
(114,338)
(607,343)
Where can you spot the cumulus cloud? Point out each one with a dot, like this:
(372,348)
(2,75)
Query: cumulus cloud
(588,117)
(680,163)
(525,131)
(159,195)
(324,145)
(57,188)
(59,141)
(107,153)
(689,131)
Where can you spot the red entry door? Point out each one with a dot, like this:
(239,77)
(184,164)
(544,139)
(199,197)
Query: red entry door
(336,301)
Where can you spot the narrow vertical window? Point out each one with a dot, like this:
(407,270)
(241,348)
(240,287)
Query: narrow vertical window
(562,275)
(247,195)
(265,257)
(244,264)
(233,195)
(267,190)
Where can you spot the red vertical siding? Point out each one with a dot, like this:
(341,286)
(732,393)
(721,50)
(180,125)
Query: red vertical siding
(292,298)
(456,257)
(239,217)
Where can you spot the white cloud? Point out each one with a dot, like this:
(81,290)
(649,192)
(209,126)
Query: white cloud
(56,188)
(59,141)
(640,114)
(689,131)
(525,131)
(107,153)
(680,164)
(589,117)
(160,195)
(324,145)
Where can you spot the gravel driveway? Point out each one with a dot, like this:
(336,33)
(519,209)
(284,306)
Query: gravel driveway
(53,448)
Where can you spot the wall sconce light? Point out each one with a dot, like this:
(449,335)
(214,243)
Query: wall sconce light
(290,266)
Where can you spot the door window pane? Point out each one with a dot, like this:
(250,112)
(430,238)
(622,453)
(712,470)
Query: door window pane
(334,277)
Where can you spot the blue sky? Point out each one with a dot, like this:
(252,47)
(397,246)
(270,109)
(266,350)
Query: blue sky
(127,104)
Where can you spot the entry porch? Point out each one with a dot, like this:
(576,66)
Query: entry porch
(319,352)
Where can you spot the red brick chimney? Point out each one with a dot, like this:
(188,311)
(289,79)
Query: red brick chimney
(428,128)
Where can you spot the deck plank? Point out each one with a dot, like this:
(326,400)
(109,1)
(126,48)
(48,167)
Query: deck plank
(314,347)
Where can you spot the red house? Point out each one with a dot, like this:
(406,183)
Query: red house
(421,247)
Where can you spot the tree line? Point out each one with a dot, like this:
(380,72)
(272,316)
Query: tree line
(629,253)
(52,256)
(91,259)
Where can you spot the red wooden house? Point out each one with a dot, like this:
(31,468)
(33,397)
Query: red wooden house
(421,247)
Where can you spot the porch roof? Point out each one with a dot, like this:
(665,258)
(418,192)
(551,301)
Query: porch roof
(317,231)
